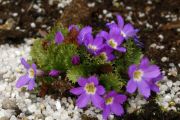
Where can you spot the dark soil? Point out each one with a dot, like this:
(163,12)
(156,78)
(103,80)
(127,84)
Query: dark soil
(26,15)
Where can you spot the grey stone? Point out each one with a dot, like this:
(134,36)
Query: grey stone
(9,104)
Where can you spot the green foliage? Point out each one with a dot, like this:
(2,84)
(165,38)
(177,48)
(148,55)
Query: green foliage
(75,72)
(50,36)
(54,56)
(88,59)
(112,81)
(132,56)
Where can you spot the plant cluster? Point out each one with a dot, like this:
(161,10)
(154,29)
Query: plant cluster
(99,65)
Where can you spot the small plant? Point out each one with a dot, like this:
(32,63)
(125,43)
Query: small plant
(104,64)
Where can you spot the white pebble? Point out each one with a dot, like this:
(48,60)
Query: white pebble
(164,59)
(33,25)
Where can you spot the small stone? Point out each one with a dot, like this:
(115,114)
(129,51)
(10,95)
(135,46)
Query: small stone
(58,105)
(15,14)
(32,108)
(169,84)
(153,45)
(33,25)
(167,98)
(9,104)
(163,87)
(164,59)
(13,118)
(161,36)
(4,118)
(104,11)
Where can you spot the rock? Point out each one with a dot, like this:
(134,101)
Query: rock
(9,104)
(4,118)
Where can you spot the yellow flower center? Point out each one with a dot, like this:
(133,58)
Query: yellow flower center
(138,75)
(103,56)
(90,88)
(31,73)
(112,43)
(109,100)
(92,47)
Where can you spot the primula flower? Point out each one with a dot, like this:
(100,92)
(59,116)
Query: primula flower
(73,26)
(142,77)
(93,45)
(59,38)
(54,73)
(75,60)
(89,90)
(83,32)
(29,78)
(106,53)
(112,104)
(126,30)
(113,39)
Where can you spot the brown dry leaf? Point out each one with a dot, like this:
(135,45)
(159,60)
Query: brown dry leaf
(8,25)
(72,37)
(44,89)
(172,25)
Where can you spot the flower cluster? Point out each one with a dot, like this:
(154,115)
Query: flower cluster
(63,57)
(90,90)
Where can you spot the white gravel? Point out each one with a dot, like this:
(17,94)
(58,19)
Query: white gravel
(29,105)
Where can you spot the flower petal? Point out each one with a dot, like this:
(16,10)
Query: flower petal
(106,112)
(103,34)
(82,81)
(24,62)
(83,33)
(100,90)
(120,99)
(117,109)
(144,63)
(131,70)
(131,86)
(93,79)
(121,49)
(34,68)
(152,71)
(23,80)
(114,31)
(120,21)
(144,88)
(77,91)
(59,38)
(73,27)
(31,84)
(97,101)
(82,100)
(154,88)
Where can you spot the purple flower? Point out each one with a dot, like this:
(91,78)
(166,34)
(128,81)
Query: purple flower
(106,53)
(112,104)
(142,77)
(126,30)
(84,31)
(54,73)
(153,83)
(113,39)
(29,78)
(89,90)
(93,45)
(75,60)
(72,27)
(59,38)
